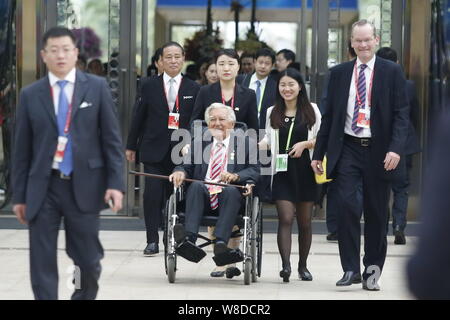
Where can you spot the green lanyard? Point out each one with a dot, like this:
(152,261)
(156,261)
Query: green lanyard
(290,134)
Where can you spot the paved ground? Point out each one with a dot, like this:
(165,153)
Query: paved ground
(129,275)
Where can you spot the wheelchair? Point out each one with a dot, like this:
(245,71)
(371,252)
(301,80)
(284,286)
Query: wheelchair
(250,225)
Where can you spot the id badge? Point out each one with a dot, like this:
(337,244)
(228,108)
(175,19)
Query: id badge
(60,149)
(281,163)
(363,118)
(214,189)
(174,120)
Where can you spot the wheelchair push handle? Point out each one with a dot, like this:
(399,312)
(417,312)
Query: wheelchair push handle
(158,176)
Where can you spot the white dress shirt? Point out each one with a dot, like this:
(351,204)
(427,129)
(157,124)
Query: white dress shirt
(166,80)
(225,142)
(365,132)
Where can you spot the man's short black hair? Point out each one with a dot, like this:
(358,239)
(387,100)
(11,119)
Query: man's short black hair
(388,54)
(247,55)
(265,52)
(172,44)
(58,32)
(157,55)
(288,54)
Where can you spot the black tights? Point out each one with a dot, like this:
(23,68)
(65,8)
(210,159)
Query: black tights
(286,212)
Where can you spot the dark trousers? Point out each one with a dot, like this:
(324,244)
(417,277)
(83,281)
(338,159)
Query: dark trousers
(82,244)
(198,202)
(156,193)
(400,190)
(353,169)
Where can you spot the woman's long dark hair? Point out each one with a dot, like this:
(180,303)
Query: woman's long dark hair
(305,108)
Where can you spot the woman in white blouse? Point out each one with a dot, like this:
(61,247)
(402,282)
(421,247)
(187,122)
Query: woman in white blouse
(291,129)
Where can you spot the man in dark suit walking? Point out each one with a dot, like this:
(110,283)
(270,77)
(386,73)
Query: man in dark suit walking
(400,182)
(363,134)
(165,106)
(67,162)
(228,158)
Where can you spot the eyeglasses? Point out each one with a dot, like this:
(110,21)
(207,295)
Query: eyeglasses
(55,51)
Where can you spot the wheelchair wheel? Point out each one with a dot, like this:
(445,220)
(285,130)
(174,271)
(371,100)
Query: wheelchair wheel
(171,267)
(256,246)
(169,243)
(247,270)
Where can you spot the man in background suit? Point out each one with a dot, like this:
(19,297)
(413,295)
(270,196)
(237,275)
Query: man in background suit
(231,160)
(67,162)
(400,182)
(168,97)
(265,87)
(363,134)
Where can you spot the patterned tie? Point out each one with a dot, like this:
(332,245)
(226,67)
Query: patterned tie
(362,97)
(63,108)
(258,93)
(216,170)
(172,94)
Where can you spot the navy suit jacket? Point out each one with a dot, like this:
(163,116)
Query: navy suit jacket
(268,99)
(412,141)
(388,114)
(149,132)
(96,144)
(244,103)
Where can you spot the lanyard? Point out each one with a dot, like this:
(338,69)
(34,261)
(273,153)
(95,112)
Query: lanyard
(369,96)
(69,114)
(232,98)
(290,134)
(177,101)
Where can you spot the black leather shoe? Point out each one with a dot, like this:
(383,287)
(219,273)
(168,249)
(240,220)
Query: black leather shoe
(304,274)
(217,274)
(374,287)
(399,237)
(332,236)
(232,272)
(224,255)
(151,249)
(349,278)
(285,273)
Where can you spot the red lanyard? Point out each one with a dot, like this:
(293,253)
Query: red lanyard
(69,114)
(177,101)
(232,99)
(369,95)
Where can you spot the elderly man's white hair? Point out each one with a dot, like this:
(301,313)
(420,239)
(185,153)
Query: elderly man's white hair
(217,105)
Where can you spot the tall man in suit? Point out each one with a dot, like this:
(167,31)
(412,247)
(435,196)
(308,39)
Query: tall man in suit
(400,182)
(363,134)
(229,158)
(67,162)
(166,105)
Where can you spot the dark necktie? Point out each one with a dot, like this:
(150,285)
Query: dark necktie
(361,89)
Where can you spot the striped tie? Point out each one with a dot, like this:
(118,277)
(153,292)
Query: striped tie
(216,170)
(362,98)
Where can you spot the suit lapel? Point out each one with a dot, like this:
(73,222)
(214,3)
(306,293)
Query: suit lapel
(207,145)
(231,153)
(81,87)
(377,78)
(45,96)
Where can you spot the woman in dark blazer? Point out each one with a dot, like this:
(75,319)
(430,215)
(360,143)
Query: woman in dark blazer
(228,92)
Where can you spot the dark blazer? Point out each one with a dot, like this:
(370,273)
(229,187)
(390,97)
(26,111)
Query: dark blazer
(388,114)
(148,131)
(412,141)
(268,98)
(244,103)
(96,144)
(242,159)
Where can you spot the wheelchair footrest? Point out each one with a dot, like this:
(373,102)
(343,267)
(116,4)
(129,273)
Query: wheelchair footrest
(190,251)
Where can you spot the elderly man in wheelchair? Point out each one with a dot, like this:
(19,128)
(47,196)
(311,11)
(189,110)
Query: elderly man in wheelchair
(226,158)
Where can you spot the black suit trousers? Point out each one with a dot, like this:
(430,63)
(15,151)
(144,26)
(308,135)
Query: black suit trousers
(82,244)
(353,169)
(156,193)
(198,203)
